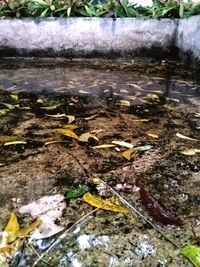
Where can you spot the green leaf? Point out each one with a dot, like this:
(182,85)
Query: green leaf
(76,192)
(192,253)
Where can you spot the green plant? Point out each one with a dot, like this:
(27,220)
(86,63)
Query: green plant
(110,8)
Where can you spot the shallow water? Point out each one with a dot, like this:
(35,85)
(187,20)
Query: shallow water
(140,102)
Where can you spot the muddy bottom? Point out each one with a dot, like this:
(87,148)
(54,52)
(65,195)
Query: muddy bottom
(153,106)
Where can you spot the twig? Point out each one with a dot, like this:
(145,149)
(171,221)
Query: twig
(34,250)
(81,220)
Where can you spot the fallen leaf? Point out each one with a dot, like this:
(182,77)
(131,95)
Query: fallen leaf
(15,143)
(50,107)
(66,132)
(56,116)
(9,106)
(103,203)
(142,120)
(3,111)
(5,138)
(128,153)
(71,118)
(185,137)
(55,142)
(122,143)
(156,209)
(152,135)
(143,148)
(192,253)
(3,262)
(24,232)
(12,228)
(104,146)
(70,126)
(190,152)
(14,97)
(91,117)
(76,192)
(124,103)
(86,136)
(47,209)
(83,92)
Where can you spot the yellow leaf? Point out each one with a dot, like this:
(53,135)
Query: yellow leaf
(71,126)
(185,137)
(10,250)
(103,203)
(122,143)
(85,137)
(56,116)
(71,118)
(104,146)
(24,232)
(14,97)
(50,107)
(12,228)
(15,143)
(128,154)
(5,138)
(55,142)
(152,135)
(124,103)
(142,120)
(115,200)
(66,132)
(190,152)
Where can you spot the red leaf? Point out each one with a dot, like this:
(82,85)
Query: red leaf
(157,210)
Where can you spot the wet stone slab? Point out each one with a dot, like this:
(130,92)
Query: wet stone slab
(142,103)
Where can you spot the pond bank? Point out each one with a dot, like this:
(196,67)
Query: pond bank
(89,37)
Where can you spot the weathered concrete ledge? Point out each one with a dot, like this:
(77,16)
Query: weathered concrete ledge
(85,37)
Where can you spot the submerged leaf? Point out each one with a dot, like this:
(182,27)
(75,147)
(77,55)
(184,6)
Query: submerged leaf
(70,126)
(103,203)
(12,228)
(76,192)
(47,209)
(128,153)
(86,136)
(56,116)
(143,148)
(3,111)
(192,253)
(185,137)
(55,142)
(5,138)
(122,143)
(156,209)
(104,146)
(14,97)
(15,143)
(190,152)
(50,107)
(152,135)
(9,106)
(66,132)
(24,232)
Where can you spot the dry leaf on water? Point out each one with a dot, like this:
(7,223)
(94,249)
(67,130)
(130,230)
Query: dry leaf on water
(13,236)
(128,154)
(15,143)
(190,152)
(103,203)
(104,146)
(122,143)
(66,132)
(152,135)
(86,136)
(47,209)
(185,137)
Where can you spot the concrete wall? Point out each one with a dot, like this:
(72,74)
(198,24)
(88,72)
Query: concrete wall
(85,36)
(74,37)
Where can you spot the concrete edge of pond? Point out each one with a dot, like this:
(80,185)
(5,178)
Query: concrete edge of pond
(89,37)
